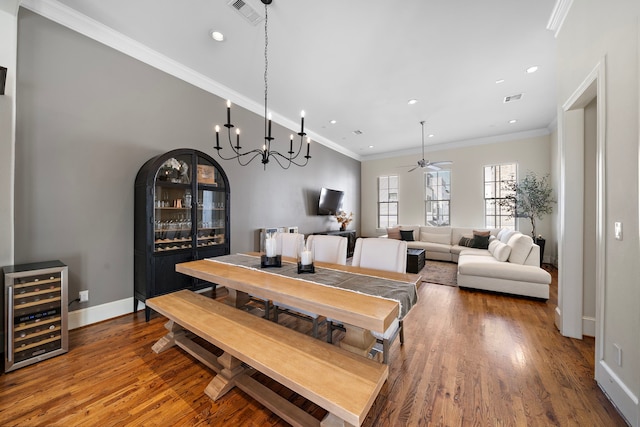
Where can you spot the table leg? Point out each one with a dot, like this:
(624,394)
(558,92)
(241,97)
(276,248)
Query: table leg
(357,340)
(237,298)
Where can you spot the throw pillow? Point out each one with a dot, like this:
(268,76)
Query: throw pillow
(466,241)
(521,245)
(393,233)
(492,246)
(501,251)
(507,235)
(480,239)
(406,235)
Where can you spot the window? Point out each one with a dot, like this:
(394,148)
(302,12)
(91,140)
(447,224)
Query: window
(387,201)
(437,199)
(495,178)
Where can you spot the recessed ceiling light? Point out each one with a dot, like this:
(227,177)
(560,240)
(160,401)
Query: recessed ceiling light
(430,136)
(371,146)
(333,122)
(412,101)
(532,69)
(512,121)
(499,81)
(217,35)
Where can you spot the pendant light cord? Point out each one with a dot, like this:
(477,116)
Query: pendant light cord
(266,66)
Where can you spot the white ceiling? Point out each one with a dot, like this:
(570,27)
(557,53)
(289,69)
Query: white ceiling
(359,62)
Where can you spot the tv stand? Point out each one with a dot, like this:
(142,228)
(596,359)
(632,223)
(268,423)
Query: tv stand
(349,234)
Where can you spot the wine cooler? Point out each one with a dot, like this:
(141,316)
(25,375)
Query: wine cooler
(35,307)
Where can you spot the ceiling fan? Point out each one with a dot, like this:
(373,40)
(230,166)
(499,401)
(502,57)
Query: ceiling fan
(422,163)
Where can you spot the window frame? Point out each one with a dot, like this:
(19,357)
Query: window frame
(443,197)
(388,202)
(500,217)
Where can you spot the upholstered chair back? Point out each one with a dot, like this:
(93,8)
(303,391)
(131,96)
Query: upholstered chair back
(380,254)
(331,249)
(288,243)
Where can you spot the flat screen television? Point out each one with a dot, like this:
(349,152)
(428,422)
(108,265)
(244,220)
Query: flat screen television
(330,201)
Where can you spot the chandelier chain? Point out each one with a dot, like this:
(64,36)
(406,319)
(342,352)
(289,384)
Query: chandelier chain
(266,61)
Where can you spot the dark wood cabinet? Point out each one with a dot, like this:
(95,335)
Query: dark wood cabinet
(181,214)
(349,234)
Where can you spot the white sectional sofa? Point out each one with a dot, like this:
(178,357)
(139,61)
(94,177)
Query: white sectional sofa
(510,263)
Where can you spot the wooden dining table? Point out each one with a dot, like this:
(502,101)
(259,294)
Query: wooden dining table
(360,313)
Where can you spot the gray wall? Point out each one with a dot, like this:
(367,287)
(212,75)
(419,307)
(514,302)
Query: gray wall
(88,117)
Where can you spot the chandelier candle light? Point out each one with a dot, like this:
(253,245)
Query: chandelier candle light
(266,152)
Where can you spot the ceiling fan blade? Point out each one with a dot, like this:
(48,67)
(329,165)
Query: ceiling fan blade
(442,162)
(434,167)
(412,169)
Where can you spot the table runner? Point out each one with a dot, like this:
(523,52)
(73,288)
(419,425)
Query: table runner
(405,294)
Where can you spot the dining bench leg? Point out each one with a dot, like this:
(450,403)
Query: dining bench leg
(331,420)
(226,378)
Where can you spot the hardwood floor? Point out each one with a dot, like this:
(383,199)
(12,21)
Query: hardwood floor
(469,358)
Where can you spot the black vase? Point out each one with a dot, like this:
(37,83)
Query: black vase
(541,242)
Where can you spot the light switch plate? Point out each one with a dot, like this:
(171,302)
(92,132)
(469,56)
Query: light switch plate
(618,230)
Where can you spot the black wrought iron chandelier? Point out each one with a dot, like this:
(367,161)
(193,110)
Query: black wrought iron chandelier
(266,153)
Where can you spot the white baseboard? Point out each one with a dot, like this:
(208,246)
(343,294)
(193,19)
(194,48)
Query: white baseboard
(98,313)
(589,326)
(618,393)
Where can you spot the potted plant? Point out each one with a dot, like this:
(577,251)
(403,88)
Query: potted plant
(530,198)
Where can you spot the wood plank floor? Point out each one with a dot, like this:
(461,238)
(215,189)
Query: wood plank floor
(469,358)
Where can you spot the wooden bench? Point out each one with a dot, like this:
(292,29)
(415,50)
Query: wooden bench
(337,380)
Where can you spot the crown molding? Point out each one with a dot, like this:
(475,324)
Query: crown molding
(516,136)
(559,14)
(82,24)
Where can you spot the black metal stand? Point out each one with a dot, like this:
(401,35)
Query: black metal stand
(309,268)
(273,261)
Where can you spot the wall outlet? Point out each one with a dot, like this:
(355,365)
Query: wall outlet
(618,354)
(84,296)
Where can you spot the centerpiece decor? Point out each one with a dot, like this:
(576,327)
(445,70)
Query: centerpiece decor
(305,259)
(344,219)
(269,256)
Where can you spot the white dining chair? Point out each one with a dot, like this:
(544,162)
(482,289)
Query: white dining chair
(379,254)
(289,244)
(327,248)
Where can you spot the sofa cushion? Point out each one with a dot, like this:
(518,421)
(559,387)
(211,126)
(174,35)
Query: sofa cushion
(444,239)
(407,235)
(486,266)
(499,250)
(431,247)
(521,245)
(393,233)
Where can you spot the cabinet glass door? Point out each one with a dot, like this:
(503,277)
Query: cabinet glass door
(212,207)
(211,217)
(173,228)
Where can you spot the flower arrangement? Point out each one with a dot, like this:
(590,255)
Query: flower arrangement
(344,219)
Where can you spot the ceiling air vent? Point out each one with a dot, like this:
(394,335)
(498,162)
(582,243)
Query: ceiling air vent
(512,98)
(247,10)
(357,132)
